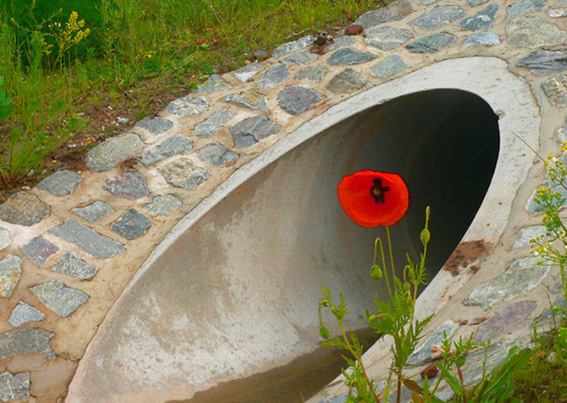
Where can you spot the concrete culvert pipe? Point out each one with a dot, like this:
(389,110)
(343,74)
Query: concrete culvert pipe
(233,291)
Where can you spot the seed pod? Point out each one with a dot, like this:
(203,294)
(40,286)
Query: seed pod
(376,273)
(425,236)
(324,332)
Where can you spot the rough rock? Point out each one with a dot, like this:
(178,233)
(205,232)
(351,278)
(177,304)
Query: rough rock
(388,67)
(291,47)
(176,144)
(346,81)
(341,42)
(349,56)
(59,298)
(248,99)
(26,341)
(432,43)
(163,204)
(526,234)
(24,208)
(247,72)
(296,100)
(556,90)
(438,17)
(505,320)
(521,276)
(132,224)
(314,73)
(182,173)
(129,185)
(24,313)
(300,58)
(274,76)
(94,211)
(156,125)
(482,20)
(5,240)
(38,250)
(187,106)
(524,7)
(213,124)
(10,273)
(87,240)
(423,355)
(394,11)
(482,38)
(61,183)
(533,32)
(388,38)
(251,130)
(216,154)
(214,83)
(14,386)
(113,151)
(71,264)
(544,62)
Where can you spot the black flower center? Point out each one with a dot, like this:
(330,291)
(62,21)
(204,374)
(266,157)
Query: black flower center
(377,191)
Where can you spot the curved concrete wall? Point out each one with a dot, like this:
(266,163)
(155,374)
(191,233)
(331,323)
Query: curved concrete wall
(233,290)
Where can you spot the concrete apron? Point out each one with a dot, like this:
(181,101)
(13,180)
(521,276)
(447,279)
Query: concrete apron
(233,288)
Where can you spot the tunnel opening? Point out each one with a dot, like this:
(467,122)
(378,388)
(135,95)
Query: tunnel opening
(236,294)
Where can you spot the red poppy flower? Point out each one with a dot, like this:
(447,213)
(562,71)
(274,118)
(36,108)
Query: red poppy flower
(373,198)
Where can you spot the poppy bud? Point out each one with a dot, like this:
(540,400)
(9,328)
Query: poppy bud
(425,236)
(376,273)
(324,332)
(373,320)
(461,361)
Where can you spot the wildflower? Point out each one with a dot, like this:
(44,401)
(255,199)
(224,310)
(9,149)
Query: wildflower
(373,198)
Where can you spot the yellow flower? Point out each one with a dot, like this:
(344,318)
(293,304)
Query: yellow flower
(550,156)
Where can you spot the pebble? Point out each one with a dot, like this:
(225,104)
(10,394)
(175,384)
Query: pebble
(39,250)
(132,224)
(26,341)
(14,386)
(555,89)
(10,273)
(213,124)
(387,38)
(156,125)
(72,265)
(24,208)
(24,313)
(347,80)
(62,300)
(251,130)
(291,47)
(94,211)
(314,73)
(163,204)
(438,17)
(187,106)
(349,56)
(182,173)
(129,185)
(248,99)
(174,145)
(113,151)
(214,83)
(274,76)
(296,100)
(216,155)
(247,72)
(432,43)
(392,65)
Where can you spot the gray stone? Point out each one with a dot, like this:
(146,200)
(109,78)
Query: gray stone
(562,134)
(26,341)
(342,41)
(59,298)
(24,313)
(387,38)
(526,234)
(534,207)
(38,250)
(350,56)
(391,65)
(251,130)
(428,2)
(274,76)
(300,58)
(156,125)
(296,100)
(132,224)
(213,124)
(423,355)
(544,62)
(438,17)
(555,89)
(482,20)
(548,315)
(314,73)
(214,83)
(87,240)
(10,273)
(24,208)
(474,3)
(122,121)
(505,320)
(216,155)
(394,11)
(261,55)
(113,151)
(187,106)
(164,204)
(524,7)
(15,386)
(557,12)
(561,3)
(432,43)
(184,174)
(176,144)
(5,240)
(346,81)
(482,38)
(533,32)
(247,72)
(521,276)
(61,183)
(94,212)
(71,264)
(129,185)
(293,46)
(338,399)
(248,99)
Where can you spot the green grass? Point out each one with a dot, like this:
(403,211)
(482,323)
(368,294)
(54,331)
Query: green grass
(61,71)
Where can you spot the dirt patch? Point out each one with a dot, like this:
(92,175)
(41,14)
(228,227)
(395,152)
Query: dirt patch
(465,255)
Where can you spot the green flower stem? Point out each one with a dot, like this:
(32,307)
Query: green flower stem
(379,240)
(391,254)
